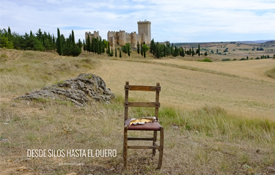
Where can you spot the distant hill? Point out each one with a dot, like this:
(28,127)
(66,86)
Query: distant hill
(254,42)
(194,44)
(270,42)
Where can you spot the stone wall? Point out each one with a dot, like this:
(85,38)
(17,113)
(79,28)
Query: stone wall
(121,37)
(92,35)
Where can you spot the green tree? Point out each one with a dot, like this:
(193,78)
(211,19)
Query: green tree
(141,49)
(108,50)
(115,52)
(144,54)
(128,50)
(138,47)
(59,43)
(192,52)
(152,46)
(120,54)
(4,42)
(9,31)
(199,50)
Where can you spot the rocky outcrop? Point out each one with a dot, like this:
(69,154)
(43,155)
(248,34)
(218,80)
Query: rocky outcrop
(81,90)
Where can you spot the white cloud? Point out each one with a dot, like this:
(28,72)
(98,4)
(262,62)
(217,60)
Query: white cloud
(176,20)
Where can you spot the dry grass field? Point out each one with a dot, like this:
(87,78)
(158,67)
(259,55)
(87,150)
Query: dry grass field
(218,117)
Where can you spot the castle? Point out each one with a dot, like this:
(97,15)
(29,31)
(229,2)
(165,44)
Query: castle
(121,37)
(94,35)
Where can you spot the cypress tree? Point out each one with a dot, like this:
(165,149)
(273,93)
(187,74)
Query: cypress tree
(9,31)
(115,52)
(141,48)
(88,44)
(59,43)
(73,39)
(152,45)
(128,49)
(138,47)
(199,50)
(108,51)
(120,54)
(79,44)
(144,54)
(111,54)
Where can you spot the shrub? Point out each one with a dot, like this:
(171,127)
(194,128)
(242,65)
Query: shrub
(271,73)
(205,60)
(226,59)
(243,59)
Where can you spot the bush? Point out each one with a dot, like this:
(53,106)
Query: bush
(3,57)
(226,59)
(243,59)
(271,73)
(205,60)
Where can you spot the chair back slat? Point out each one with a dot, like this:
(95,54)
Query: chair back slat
(141,104)
(142,88)
(127,104)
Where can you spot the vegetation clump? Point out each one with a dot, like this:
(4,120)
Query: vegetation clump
(271,73)
(205,60)
(226,59)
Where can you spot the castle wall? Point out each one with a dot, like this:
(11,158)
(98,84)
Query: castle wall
(94,35)
(121,37)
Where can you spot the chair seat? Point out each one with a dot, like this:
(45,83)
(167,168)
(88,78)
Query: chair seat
(154,126)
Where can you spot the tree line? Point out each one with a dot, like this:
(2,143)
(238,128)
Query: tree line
(40,41)
(163,50)
(67,46)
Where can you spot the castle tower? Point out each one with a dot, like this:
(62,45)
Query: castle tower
(134,39)
(144,31)
(121,38)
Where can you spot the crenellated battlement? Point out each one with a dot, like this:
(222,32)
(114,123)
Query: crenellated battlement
(121,37)
(92,35)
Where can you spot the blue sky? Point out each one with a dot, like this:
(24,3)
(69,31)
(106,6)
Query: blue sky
(174,20)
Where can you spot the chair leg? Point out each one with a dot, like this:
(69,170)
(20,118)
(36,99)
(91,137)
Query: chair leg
(154,142)
(161,147)
(125,147)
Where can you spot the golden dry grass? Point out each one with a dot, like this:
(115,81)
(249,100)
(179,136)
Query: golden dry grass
(217,121)
(234,90)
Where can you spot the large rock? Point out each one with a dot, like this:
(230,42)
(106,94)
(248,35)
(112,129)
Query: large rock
(80,90)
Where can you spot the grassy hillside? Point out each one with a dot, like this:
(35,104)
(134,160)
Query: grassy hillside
(271,73)
(217,116)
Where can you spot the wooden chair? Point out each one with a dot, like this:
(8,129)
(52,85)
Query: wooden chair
(154,126)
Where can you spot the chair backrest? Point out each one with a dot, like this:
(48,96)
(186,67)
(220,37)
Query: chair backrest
(155,104)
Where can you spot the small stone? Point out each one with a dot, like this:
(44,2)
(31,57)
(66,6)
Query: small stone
(73,173)
(271,169)
(22,168)
(4,140)
(175,127)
